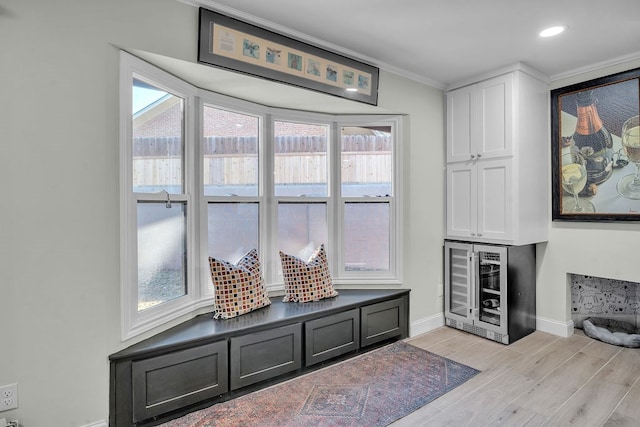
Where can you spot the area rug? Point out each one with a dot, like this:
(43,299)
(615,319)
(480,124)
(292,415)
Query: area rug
(373,390)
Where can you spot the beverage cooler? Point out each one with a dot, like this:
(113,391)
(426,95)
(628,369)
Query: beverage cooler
(490,290)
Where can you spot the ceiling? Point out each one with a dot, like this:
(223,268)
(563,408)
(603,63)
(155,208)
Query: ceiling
(438,42)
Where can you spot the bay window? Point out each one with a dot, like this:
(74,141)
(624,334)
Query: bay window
(206,175)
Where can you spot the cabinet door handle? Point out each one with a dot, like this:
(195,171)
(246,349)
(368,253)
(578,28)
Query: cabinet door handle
(479,155)
(479,235)
(473,157)
(473,234)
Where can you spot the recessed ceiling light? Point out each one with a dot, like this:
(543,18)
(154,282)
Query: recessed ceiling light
(552,31)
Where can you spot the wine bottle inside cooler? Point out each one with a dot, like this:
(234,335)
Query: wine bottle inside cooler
(593,140)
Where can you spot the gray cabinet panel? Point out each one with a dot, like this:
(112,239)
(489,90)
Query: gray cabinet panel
(263,355)
(175,380)
(204,360)
(331,336)
(382,321)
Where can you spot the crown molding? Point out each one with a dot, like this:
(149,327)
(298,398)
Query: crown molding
(518,66)
(597,66)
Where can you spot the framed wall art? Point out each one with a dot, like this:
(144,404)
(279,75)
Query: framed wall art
(238,46)
(595,152)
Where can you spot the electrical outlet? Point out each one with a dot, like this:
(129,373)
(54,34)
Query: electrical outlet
(8,397)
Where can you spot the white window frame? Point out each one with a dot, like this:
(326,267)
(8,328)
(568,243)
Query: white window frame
(241,107)
(199,290)
(393,275)
(134,322)
(275,282)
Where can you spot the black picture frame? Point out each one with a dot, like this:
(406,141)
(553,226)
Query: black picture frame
(231,44)
(617,98)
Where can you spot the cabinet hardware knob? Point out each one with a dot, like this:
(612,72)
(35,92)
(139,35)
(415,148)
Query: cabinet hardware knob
(479,155)
(473,157)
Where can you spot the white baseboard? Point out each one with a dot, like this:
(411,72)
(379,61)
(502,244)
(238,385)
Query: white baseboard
(563,329)
(97,424)
(426,324)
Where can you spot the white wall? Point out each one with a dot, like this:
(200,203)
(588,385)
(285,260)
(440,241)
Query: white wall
(423,177)
(604,249)
(59,272)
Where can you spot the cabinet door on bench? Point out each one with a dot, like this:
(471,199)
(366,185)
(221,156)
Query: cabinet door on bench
(383,320)
(263,355)
(172,381)
(331,336)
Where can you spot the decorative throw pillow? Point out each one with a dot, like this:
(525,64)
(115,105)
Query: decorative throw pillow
(307,281)
(239,288)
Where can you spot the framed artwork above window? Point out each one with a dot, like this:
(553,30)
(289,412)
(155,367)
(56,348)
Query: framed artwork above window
(238,46)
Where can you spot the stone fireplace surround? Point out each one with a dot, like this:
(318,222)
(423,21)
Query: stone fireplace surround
(604,298)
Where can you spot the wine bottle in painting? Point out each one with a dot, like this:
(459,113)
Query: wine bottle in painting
(593,140)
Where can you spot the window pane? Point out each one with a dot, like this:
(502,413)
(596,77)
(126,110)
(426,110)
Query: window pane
(233,230)
(161,253)
(300,167)
(302,228)
(158,143)
(366,236)
(230,151)
(366,161)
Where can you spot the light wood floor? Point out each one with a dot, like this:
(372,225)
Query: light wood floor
(540,380)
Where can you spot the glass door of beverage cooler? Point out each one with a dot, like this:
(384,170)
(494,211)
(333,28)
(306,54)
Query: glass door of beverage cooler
(458,280)
(491,302)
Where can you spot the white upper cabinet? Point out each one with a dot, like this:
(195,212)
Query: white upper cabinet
(497,163)
(461,122)
(479,120)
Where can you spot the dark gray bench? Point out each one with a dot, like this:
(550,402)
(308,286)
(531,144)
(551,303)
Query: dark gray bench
(206,360)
